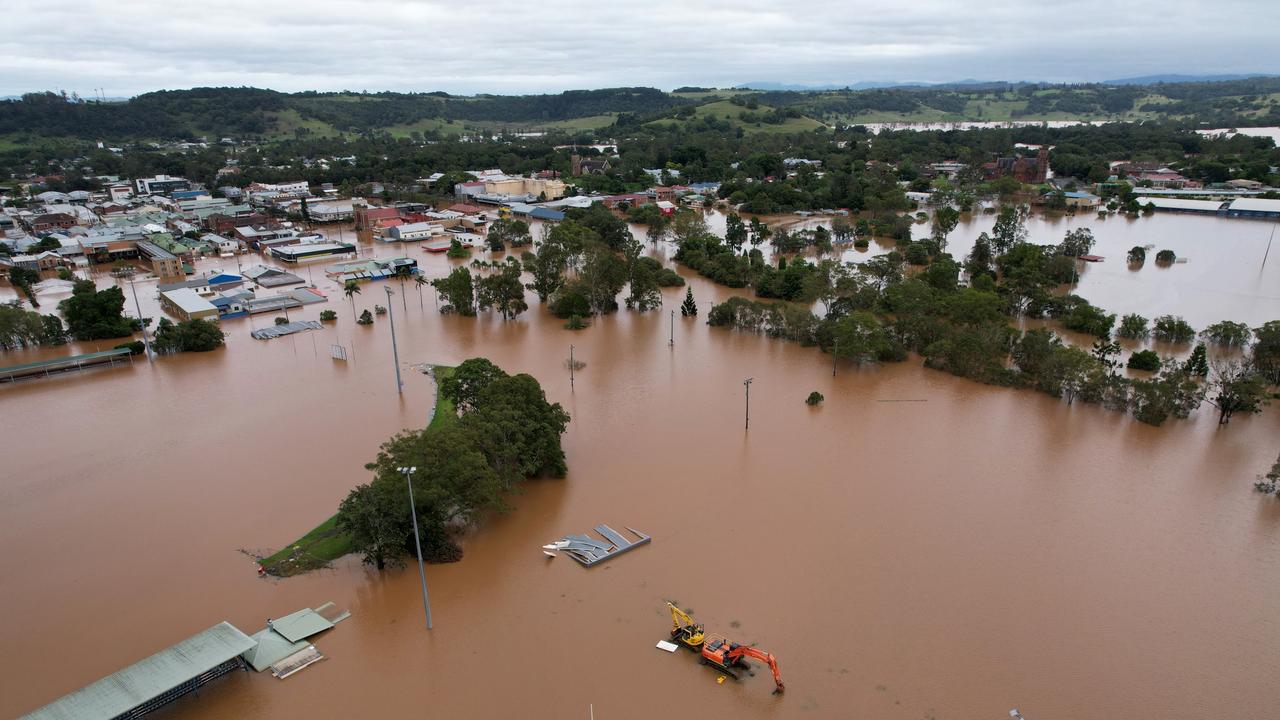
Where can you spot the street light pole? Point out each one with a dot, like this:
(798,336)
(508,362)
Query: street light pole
(747,384)
(672,341)
(835,353)
(571,368)
(146,343)
(417,543)
(395,353)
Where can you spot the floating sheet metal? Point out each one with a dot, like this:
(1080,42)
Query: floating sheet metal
(275,331)
(588,551)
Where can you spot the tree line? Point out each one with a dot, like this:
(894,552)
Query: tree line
(497,431)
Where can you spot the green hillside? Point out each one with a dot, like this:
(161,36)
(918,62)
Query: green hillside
(256,114)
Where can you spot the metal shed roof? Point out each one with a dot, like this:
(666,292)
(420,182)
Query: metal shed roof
(121,691)
(1160,203)
(1255,205)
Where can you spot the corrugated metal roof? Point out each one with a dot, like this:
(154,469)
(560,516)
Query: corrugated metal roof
(1161,203)
(301,624)
(1255,205)
(123,690)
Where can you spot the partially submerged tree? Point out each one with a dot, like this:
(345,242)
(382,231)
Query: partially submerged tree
(1236,388)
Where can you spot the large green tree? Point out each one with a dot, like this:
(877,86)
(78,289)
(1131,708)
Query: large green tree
(94,314)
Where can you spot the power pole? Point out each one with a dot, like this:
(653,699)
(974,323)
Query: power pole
(395,353)
(747,384)
(417,543)
(146,343)
(672,341)
(835,353)
(571,368)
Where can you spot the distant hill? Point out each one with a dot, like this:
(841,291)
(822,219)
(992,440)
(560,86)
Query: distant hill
(253,113)
(1153,79)
(861,85)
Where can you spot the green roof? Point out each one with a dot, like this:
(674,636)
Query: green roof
(64,361)
(122,691)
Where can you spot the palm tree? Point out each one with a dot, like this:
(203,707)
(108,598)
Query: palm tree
(419,280)
(351,290)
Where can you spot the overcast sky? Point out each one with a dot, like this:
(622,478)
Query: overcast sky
(127,47)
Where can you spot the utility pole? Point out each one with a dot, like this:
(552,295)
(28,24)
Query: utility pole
(1268,252)
(835,353)
(747,384)
(672,341)
(571,368)
(395,353)
(417,543)
(146,343)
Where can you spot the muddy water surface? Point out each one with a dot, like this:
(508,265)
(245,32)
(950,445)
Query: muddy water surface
(918,546)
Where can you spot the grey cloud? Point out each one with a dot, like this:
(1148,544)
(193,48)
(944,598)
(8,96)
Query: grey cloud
(508,46)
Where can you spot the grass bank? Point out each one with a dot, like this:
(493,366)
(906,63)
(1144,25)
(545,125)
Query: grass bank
(325,542)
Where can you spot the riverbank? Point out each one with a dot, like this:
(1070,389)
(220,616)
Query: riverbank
(326,542)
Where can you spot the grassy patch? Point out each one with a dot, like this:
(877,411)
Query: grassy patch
(725,110)
(311,551)
(326,543)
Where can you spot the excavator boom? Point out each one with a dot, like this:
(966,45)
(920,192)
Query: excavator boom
(736,655)
(684,629)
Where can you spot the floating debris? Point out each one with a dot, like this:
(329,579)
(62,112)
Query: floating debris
(588,551)
(275,331)
(668,646)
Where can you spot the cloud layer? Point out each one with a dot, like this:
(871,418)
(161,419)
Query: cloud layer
(502,46)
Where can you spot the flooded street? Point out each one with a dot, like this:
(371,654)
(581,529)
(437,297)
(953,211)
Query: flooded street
(920,546)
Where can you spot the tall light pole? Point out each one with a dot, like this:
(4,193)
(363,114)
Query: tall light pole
(417,543)
(672,341)
(835,353)
(146,343)
(571,368)
(747,384)
(395,353)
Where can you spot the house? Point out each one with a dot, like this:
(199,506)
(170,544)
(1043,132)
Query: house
(51,221)
(415,231)
(186,304)
(46,260)
(224,245)
(333,210)
(271,277)
(1031,171)
(1079,199)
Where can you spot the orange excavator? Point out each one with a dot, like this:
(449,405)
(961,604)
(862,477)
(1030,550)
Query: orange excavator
(718,651)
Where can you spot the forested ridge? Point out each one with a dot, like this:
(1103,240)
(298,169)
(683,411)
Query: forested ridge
(245,112)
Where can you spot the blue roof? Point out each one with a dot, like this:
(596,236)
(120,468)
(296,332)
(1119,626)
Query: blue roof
(223,278)
(546,214)
(1079,195)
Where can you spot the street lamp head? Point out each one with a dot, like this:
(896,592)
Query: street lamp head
(389,293)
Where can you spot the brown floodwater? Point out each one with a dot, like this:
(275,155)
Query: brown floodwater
(918,546)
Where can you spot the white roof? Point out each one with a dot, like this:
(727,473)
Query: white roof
(189,301)
(1166,203)
(1256,205)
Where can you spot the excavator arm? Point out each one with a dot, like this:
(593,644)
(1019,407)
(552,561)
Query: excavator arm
(738,653)
(684,629)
